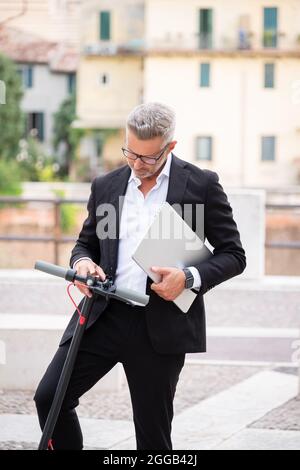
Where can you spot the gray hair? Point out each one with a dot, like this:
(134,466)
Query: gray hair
(151,120)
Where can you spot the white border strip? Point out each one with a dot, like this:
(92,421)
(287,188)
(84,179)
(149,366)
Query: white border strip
(215,362)
(242,332)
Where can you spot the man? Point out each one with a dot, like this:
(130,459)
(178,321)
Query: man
(150,341)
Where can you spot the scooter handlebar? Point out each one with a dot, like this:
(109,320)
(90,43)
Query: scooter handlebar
(133,295)
(52,269)
(71,275)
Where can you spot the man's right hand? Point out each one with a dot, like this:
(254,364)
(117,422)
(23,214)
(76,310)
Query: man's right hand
(85,267)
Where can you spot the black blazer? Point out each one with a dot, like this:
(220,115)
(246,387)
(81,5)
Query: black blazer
(170,330)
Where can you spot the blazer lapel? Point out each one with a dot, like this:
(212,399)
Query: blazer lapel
(179,175)
(118,189)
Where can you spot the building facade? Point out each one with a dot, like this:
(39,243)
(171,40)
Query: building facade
(230,69)
(235,69)
(48,74)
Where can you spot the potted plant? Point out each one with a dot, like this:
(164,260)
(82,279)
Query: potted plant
(269,38)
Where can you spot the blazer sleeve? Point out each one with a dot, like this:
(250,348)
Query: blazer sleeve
(87,244)
(221,231)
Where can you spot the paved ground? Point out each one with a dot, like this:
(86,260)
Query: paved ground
(242,395)
(224,420)
(285,418)
(196,383)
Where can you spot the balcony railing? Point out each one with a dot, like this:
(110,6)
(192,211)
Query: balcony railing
(239,40)
(111,48)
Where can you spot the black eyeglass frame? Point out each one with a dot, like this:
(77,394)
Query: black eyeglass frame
(142,157)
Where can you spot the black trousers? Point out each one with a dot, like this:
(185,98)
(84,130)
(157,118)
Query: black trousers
(119,335)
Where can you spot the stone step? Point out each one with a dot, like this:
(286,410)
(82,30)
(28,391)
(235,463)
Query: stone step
(27,345)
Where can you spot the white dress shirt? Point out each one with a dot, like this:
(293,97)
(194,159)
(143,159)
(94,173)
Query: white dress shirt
(138,213)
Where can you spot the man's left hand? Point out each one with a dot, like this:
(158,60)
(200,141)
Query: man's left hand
(171,284)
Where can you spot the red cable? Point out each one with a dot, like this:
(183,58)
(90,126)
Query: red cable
(73,301)
(50,444)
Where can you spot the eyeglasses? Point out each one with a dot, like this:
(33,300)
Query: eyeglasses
(149,159)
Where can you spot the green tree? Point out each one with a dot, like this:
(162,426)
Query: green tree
(11,116)
(10,179)
(68,213)
(66,135)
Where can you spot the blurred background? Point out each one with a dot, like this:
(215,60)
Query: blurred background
(70,72)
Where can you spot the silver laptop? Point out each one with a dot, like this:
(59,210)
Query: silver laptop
(170,242)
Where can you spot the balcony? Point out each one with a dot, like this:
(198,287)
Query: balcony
(243,42)
(131,47)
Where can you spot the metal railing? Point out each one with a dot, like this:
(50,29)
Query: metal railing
(57,237)
(240,39)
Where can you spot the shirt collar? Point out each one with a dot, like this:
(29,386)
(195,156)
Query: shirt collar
(165,172)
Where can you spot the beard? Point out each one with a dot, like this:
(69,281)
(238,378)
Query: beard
(145,173)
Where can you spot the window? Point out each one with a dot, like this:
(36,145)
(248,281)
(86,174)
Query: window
(270,27)
(71,83)
(105,25)
(268,148)
(269,75)
(104,79)
(204,75)
(204,148)
(98,145)
(26,74)
(205,28)
(36,121)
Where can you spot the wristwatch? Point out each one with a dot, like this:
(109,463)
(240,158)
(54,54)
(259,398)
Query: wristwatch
(189,278)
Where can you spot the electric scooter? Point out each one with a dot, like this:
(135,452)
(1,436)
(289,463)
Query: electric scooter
(98,288)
